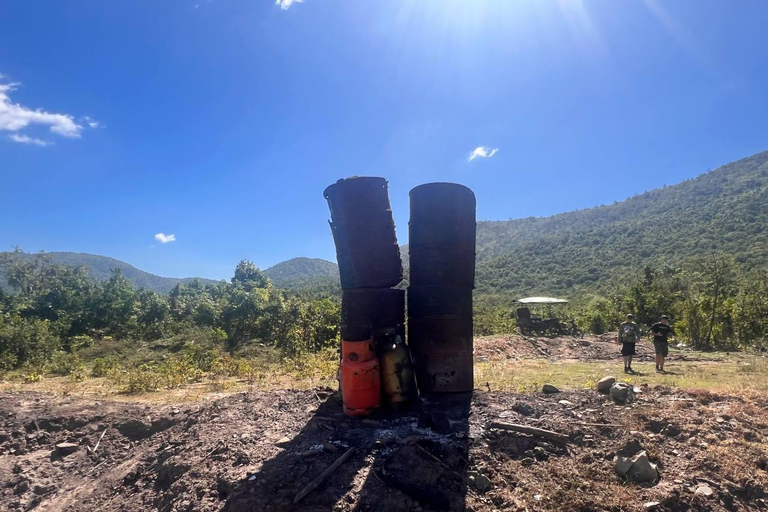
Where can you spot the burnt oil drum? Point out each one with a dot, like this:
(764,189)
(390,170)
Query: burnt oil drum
(442,235)
(426,301)
(364,233)
(365,311)
(442,353)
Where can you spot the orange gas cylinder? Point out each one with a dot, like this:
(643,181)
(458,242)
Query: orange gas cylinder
(360,378)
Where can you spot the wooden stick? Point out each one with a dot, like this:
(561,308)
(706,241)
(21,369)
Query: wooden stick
(99,441)
(548,434)
(317,481)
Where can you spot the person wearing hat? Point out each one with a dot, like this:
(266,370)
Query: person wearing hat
(629,334)
(661,331)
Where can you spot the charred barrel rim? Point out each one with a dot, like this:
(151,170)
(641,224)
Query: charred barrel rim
(353,182)
(443,186)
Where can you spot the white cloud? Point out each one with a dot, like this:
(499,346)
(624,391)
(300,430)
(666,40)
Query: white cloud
(92,122)
(482,152)
(15,118)
(164,239)
(24,139)
(286,4)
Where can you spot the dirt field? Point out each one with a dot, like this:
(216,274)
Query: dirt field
(256,451)
(588,348)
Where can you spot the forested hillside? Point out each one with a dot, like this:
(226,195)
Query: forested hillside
(304,272)
(100,268)
(722,211)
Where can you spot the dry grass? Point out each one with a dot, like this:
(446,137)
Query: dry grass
(730,375)
(748,374)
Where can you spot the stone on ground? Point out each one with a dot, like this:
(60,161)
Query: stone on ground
(704,490)
(622,393)
(65,449)
(604,384)
(549,389)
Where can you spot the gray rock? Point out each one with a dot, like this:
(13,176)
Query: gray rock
(22,487)
(622,393)
(19,446)
(651,505)
(480,482)
(604,384)
(704,490)
(632,463)
(65,449)
(283,442)
(41,490)
(549,389)
(642,470)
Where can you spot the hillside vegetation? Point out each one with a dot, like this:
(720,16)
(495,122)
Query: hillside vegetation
(722,211)
(101,268)
(310,277)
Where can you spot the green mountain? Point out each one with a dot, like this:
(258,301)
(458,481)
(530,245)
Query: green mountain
(100,267)
(723,211)
(303,272)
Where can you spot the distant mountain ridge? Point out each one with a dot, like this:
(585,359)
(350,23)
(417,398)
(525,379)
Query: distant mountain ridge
(296,273)
(302,272)
(722,211)
(100,267)
(587,250)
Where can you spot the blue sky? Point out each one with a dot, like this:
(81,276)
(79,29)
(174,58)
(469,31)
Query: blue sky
(221,121)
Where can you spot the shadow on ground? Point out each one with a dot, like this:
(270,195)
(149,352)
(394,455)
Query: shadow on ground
(401,460)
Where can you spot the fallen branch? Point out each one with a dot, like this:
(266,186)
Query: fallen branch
(317,481)
(97,442)
(548,434)
(218,445)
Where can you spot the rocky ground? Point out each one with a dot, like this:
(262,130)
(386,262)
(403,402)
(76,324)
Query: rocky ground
(257,451)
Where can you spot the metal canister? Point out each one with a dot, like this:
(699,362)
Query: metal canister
(364,233)
(398,381)
(442,353)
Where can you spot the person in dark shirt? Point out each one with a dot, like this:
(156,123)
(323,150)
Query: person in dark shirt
(629,334)
(661,331)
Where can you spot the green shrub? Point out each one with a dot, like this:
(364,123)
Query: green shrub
(141,380)
(64,364)
(103,366)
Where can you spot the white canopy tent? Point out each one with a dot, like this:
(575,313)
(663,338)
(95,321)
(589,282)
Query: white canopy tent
(541,300)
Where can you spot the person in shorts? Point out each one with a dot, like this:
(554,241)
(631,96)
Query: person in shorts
(661,331)
(629,334)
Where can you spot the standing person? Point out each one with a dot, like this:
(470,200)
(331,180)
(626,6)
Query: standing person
(629,334)
(661,331)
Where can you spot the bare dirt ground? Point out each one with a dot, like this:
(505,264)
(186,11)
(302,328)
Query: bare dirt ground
(588,348)
(256,451)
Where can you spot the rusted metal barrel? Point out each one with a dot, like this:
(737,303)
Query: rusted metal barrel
(364,233)
(429,301)
(442,235)
(442,353)
(365,311)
